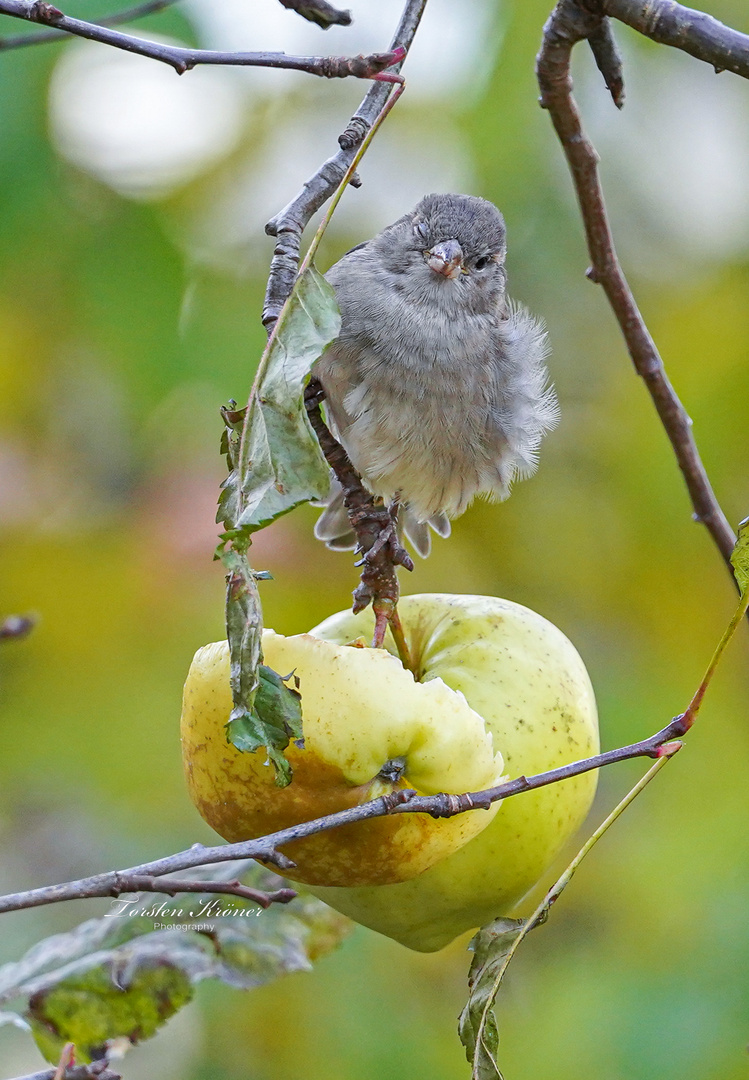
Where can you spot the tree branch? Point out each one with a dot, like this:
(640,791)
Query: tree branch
(319,11)
(129,15)
(183,59)
(608,61)
(136,883)
(266,848)
(288,224)
(662,21)
(693,32)
(116,882)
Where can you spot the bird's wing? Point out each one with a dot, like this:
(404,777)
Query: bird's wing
(344,263)
(524,405)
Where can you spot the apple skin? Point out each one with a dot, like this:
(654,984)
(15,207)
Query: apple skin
(528,682)
(360,710)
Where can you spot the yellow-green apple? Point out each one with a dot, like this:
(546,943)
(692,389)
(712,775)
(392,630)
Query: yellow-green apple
(369,728)
(528,682)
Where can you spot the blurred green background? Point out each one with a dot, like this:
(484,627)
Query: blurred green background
(133,260)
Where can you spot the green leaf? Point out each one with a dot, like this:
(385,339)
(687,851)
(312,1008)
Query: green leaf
(277,463)
(263,945)
(278,703)
(266,711)
(275,718)
(740,556)
(123,975)
(229,507)
(492,947)
(117,998)
(244,631)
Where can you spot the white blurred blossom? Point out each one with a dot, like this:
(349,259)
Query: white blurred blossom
(135,124)
(674,161)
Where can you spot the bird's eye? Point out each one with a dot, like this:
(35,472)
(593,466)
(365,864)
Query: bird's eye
(420,231)
(483,262)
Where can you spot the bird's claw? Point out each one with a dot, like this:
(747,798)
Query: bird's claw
(388,538)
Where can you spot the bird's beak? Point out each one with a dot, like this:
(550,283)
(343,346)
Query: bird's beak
(446,259)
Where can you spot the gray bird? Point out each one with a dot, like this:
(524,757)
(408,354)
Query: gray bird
(436,385)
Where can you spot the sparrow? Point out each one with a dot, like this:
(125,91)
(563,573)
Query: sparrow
(436,385)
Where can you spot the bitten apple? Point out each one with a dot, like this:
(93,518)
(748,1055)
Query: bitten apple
(528,682)
(369,728)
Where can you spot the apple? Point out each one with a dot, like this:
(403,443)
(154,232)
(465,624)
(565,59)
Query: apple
(528,682)
(369,728)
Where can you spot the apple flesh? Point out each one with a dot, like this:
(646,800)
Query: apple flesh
(528,682)
(369,729)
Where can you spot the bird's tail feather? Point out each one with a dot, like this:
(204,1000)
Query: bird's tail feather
(334,529)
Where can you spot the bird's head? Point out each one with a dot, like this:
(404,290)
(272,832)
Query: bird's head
(451,249)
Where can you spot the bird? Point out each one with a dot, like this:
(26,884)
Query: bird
(436,385)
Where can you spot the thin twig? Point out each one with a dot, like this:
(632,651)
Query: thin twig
(266,848)
(568,24)
(319,11)
(690,713)
(126,16)
(542,910)
(399,637)
(287,226)
(556,890)
(67,1061)
(171,886)
(183,59)
(117,882)
(608,60)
